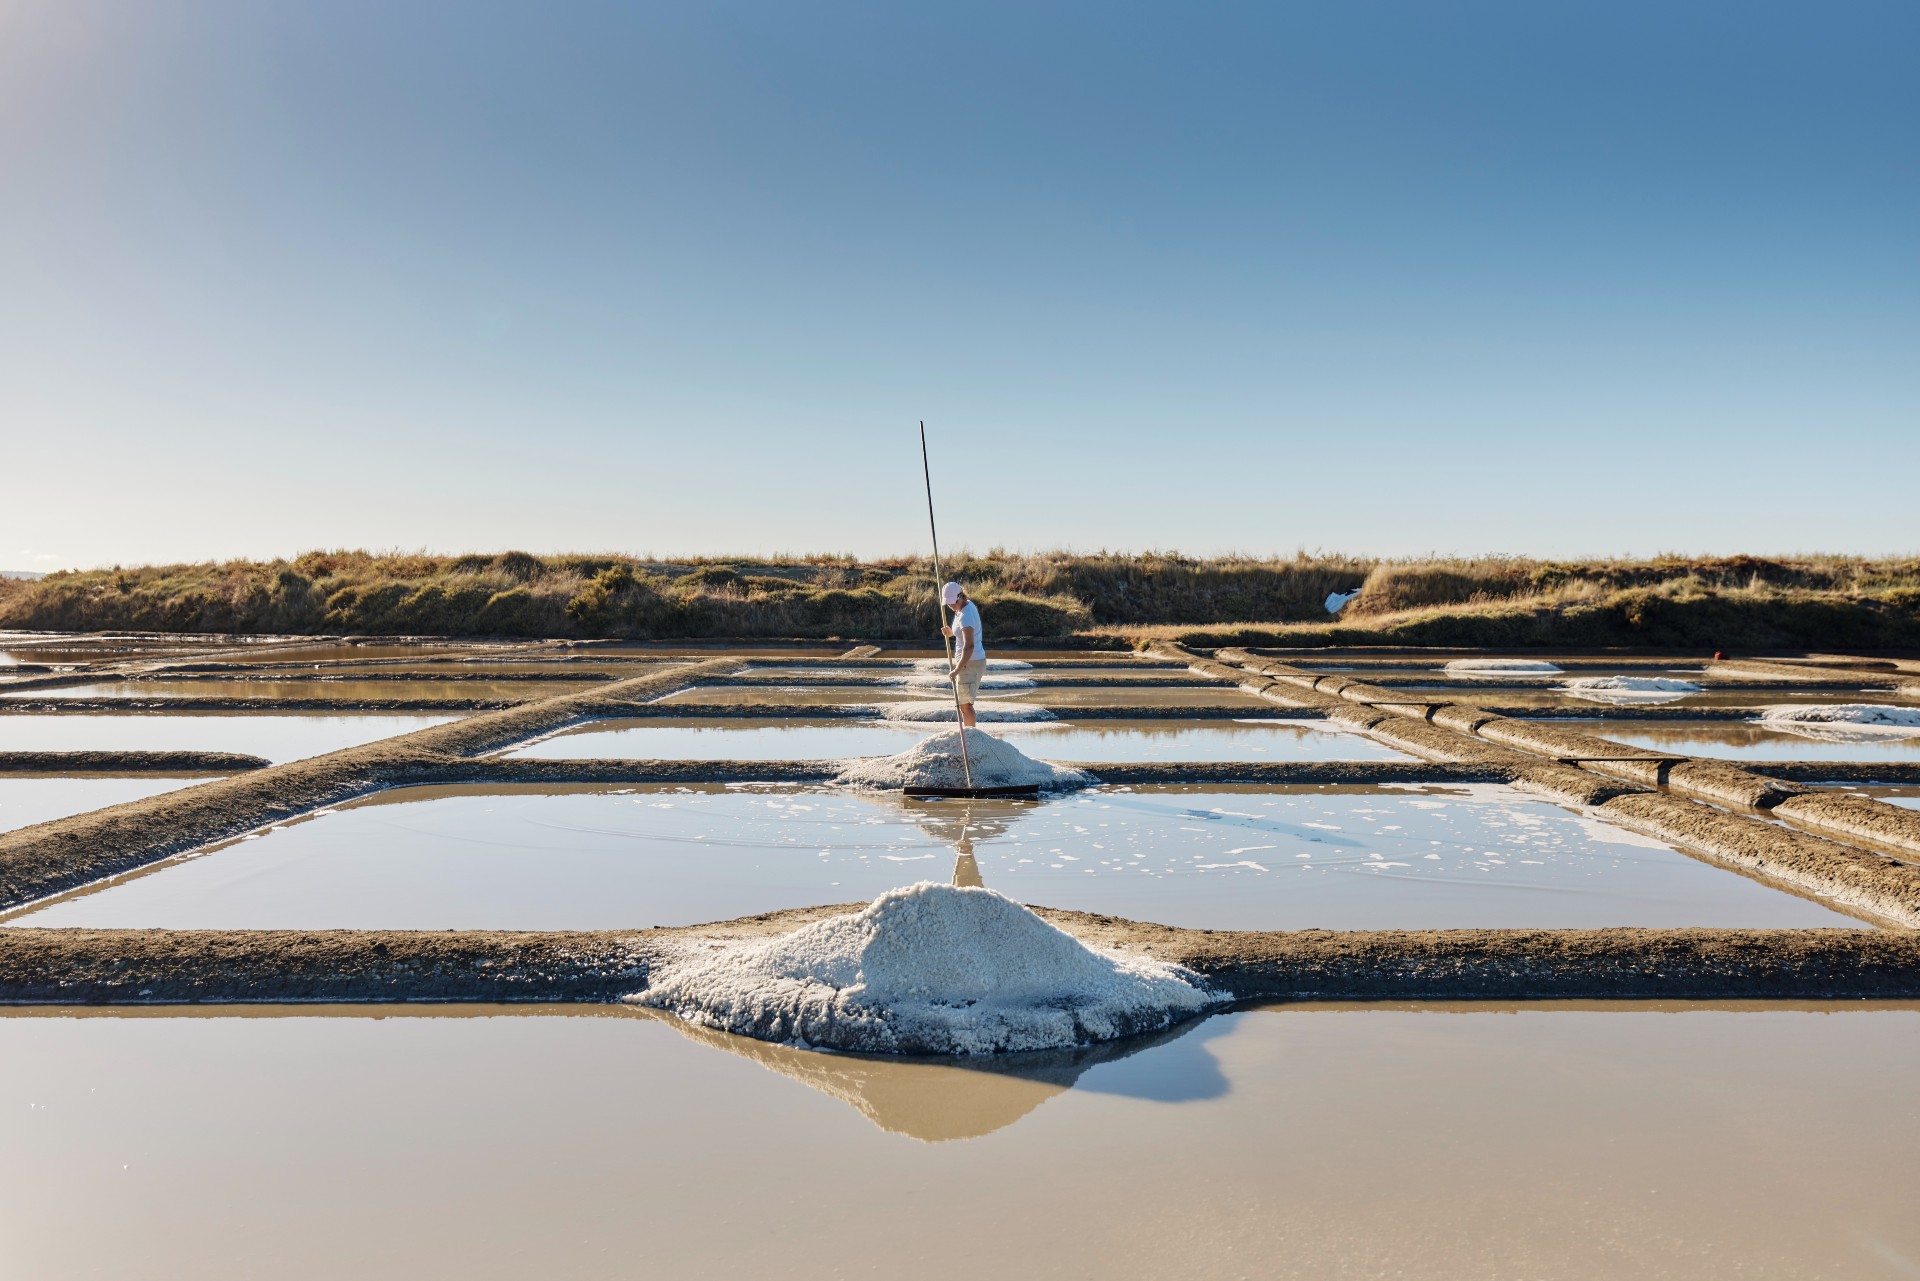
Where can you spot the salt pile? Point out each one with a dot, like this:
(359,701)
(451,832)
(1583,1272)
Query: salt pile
(940,666)
(1623,690)
(935,762)
(1843,722)
(928,969)
(1500,667)
(943,711)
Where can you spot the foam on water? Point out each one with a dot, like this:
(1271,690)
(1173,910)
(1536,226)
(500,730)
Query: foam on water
(928,969)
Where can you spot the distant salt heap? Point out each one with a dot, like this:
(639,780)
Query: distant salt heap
(1500,667)
(1844,722)
(1625,690)
(929,969)
(935,762)
(942,710)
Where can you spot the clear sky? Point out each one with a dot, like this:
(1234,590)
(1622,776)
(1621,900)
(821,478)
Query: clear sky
(1557,278)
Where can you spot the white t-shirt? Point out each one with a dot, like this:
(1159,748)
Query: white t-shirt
(969,617)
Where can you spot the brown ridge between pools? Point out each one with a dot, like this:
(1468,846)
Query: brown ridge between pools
(65,764)
(75,966)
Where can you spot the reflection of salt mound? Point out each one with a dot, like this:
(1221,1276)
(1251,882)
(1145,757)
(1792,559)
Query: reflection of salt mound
(939,666)
(1500,667)
(1621,690)
(933,1100)
(929,969)
(1844,722)
(937,711)
(935,762)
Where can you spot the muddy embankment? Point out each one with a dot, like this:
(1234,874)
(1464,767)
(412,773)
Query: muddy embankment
(69,764)
(72,966)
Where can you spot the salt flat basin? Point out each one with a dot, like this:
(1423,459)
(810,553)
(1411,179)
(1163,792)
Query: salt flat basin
(1582,1142)
(1907,796)
(26,801)
(298,687)
(742,739)
(801,695)
(277,736)
(1140,672)
(1746,740)
(1221,858)
(1553,697)
(1071,696)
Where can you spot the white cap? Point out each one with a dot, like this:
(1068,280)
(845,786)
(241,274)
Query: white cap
(950,593)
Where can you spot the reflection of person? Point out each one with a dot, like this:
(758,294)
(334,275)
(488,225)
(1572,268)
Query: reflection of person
(969,649)
(965,870)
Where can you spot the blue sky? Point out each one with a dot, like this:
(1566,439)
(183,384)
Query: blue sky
(1558,279)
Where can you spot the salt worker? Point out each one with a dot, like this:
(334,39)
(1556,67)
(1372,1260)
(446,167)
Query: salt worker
(969,649)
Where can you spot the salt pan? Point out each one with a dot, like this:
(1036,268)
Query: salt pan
(943,711)
(939,666)
(929,969)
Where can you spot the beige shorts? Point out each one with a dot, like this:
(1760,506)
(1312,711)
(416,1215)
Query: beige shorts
(967,681)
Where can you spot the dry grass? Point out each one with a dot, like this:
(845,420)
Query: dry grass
(1746,602)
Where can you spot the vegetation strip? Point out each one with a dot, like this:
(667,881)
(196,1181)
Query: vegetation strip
(76,966)
(51,857)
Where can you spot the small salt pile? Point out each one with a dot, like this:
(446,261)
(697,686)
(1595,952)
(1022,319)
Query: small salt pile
(1844,722)
(929,969)
(942,710)
(936,762)
(1500,667)
(1630,690)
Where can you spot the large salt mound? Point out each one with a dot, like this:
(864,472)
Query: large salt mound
(939,666)
(943,711)
(929,969)
(935,762)
(1500,667)
(1623,690)
(1844,722)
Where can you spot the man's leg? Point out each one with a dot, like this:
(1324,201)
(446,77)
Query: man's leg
(966,715)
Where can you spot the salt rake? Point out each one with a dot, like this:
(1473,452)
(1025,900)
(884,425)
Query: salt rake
(946,642)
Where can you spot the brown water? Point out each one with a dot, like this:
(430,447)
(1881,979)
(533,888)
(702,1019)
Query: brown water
(743,739)
(1215,857)
(277,736)
(298,687)
(25,801)
(1560,1142)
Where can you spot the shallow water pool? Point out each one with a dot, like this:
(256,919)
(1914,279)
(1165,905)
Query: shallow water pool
(726,739)
(1747,740)
(277,736)
(1331,1143)
(298,687)
(1220,858)
(26,801)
